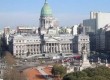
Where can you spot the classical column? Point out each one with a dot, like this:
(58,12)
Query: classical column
(51,47)
(66,48)
(63,47)
(54,47)
(43,48)
(39,48)
(60,48)
(46,48)
(57,47)
(69,48)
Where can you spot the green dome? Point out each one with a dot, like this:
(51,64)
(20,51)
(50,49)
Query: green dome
(46,10)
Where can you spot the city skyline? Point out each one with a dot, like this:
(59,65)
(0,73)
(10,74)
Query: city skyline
(27,13)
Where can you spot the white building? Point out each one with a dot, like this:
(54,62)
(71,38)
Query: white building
(48,41)
(68,30)
(97,20)
(80,41)
(74,29)
(47,21)
(25,29)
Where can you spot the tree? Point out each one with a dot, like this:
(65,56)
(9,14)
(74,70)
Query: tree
(98,73)
(99,78)
(9,59)
(13,74)
(59,71)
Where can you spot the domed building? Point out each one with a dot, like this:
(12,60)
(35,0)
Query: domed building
(48,40)
(46,10)
(47,21)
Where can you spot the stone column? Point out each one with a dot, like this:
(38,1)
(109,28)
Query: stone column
(46,48)
(65,47)
(60,48)
(69,47)
(54,47)
(51,48)
(39,48)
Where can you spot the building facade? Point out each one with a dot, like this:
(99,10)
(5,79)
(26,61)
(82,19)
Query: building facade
(23,29)
(107,39)
(47,21)
(97,20)
(100,40)
(48,40)
(80,41)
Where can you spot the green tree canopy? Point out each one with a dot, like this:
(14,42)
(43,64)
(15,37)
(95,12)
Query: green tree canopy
(98,73)
(59,70)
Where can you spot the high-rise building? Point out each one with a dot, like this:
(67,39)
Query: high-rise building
(97,20)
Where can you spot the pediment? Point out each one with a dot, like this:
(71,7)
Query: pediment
(52,39)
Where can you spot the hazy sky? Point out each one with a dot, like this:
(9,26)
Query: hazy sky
(68,12)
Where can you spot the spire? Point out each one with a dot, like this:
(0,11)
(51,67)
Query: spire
(45,1)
